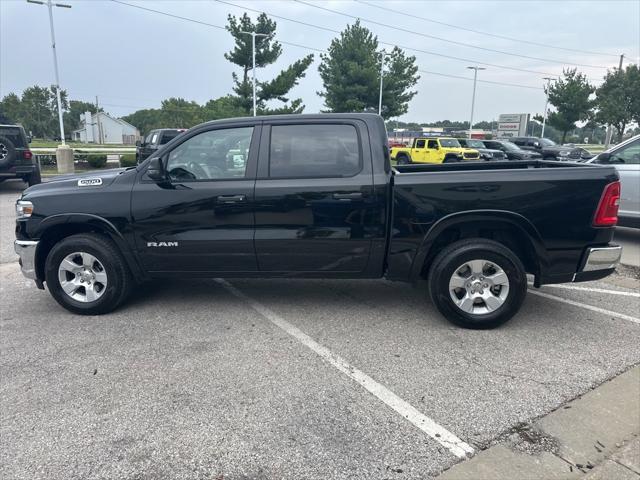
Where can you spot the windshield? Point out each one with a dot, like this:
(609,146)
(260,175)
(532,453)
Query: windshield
(449,142)
(545,142)
(474,143)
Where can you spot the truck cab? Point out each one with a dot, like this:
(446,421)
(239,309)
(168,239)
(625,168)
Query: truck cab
(433,150)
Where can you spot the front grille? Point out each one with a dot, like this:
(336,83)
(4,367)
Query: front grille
(471,155)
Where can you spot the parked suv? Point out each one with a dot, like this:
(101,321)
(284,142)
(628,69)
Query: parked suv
(511,150)
(485,153)
(154,140)
(625,157)
(549,149)
(16,160)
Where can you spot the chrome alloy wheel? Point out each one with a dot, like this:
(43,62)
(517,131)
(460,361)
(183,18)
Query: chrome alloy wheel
(4,151)
(82,277)
(479,287)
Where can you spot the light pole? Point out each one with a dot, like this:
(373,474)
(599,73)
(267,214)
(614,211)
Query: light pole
(383,55)
(50,4)
(253,54)
(473,98)
(546,106)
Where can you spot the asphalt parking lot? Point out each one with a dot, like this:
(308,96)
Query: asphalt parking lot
(261,379)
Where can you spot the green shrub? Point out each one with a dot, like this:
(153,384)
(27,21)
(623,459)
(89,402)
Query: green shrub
(128,160)
(97,161)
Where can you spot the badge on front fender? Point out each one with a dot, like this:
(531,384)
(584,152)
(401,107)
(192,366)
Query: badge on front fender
(89,182)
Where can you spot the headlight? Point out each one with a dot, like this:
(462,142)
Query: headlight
(24,209)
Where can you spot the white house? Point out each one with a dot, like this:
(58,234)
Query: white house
(102,128)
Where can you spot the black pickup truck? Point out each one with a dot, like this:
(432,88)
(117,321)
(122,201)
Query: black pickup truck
(316,196)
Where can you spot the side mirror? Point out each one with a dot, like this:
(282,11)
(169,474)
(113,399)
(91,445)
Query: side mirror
(29,139)
(604,157)
(155,170)
(138,143)
(536,144)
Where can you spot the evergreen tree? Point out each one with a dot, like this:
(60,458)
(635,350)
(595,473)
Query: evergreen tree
(268,50)
(350,73)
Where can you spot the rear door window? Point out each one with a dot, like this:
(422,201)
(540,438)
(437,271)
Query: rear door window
(314,150)
(420,143)
(14,135)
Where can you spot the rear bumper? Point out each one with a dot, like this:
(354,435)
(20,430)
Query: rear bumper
(602,258)
(26,250)
(598,263)
(18,170)
(594,263)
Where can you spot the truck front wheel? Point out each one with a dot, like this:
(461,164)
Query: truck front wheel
(86,274)
(477,283)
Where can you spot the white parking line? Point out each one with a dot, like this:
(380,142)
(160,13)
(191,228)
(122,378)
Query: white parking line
(440,434)
(587,307)
(596,290)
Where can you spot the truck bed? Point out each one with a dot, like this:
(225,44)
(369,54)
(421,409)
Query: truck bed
(551,202)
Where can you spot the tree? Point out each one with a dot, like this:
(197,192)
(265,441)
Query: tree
(180,113)
(350,73)
(570,96)
(268,51)
(71,118)
(145,120)
(10,109)
(223,107)
(617,99)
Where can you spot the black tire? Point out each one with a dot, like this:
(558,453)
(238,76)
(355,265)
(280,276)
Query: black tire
(7,152)
(119,281)
(403,160)
(550,158)
(452,258)
(451,159)
(35,178)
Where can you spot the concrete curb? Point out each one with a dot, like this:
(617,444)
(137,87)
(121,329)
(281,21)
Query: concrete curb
(596,436)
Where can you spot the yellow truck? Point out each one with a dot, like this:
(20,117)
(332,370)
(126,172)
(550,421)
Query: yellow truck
(433,150)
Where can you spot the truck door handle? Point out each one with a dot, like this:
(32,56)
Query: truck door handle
(231,198)
(347,196)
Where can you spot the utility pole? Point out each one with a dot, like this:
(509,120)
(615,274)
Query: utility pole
(546,106)
(473,98)
(607,140)
(253,53)
(50,4)
(383,55)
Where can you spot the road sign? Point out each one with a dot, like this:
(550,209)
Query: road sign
(512,125)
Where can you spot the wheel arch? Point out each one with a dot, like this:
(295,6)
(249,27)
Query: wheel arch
(55,228)
(508,228)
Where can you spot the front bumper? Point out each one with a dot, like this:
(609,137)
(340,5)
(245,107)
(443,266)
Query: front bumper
(26,250)
(598,263)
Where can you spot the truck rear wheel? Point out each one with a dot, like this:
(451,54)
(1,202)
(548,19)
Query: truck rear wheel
(86,274)
(477,283)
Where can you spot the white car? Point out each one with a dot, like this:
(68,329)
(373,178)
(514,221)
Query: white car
(626,158)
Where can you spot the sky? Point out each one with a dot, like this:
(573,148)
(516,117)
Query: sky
(132,59)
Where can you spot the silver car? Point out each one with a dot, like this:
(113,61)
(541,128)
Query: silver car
(626,158)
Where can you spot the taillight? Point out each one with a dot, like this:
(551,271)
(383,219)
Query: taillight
(27,155)
(607,212)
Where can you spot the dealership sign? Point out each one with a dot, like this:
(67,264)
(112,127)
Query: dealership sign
(512,125)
